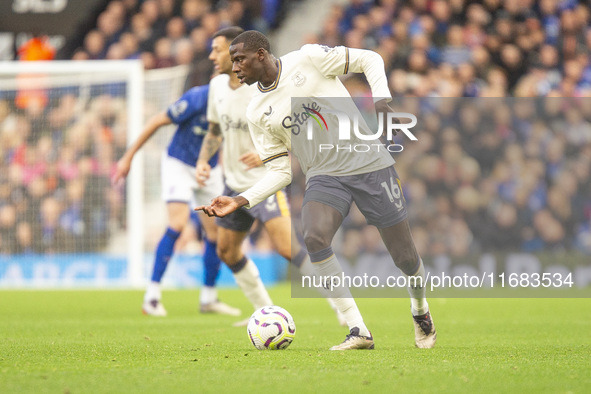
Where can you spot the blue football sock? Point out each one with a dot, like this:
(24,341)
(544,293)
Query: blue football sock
(211,263)
(164,253)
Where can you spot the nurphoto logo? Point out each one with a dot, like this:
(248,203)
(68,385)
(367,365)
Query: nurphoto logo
(392,119)
(311,118)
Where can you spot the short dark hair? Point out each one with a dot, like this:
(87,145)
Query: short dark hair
(229,33)
(252,40)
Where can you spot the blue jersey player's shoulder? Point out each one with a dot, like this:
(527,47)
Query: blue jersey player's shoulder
(189,113)
(193,102)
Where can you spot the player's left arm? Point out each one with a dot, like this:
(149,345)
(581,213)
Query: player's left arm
(332,62)
(151,127)
(340,60)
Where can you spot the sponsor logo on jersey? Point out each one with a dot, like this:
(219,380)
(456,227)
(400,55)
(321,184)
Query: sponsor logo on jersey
(198,130)
(228,124)
(297,120)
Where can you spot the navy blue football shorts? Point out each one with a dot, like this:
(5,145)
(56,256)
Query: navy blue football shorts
(378,195)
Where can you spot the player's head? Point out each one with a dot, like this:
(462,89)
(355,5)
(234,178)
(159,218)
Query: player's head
(248,53)
(220,54)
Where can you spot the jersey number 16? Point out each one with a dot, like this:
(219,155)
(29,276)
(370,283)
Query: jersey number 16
(394,192)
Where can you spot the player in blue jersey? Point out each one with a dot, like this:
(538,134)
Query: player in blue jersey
(181,192)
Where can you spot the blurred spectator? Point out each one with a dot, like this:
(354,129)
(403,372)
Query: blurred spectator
(192,13)
(130,44)
(38,48)
(53,237)
(163,53)
(94,45)
(456,51)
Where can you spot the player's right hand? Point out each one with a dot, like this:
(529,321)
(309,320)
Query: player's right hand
(202,172)
(220,206)
(382,109)
(121,171)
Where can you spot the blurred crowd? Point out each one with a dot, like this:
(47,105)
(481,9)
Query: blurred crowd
(467,48)
(56,157)
(486,174)
(501,175)
(489,175)
(165,33)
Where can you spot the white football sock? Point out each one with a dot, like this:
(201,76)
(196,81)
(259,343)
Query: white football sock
(418,302)
(208,295)
(307,269)
(341,297)
(153,292)
(249,280)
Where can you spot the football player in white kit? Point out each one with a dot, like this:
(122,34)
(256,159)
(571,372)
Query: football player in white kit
(333,180)
(228,128)
(180,191)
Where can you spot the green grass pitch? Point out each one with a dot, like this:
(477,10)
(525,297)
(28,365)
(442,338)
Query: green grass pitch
(98,342)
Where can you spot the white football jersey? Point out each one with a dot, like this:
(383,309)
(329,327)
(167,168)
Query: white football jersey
(227,107)
(311,74)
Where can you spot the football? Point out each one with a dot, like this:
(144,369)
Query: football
(271,327)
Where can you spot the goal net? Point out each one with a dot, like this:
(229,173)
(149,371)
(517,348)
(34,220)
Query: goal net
(63,125)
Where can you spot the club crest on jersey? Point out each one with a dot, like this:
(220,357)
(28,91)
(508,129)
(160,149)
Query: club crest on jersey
(298,79)
(178,108)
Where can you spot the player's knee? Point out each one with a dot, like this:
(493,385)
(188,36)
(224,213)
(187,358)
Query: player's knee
(228,254)
(284,251)
(315,240)
(406,260)
(176,226)
(211,237)
(210,229)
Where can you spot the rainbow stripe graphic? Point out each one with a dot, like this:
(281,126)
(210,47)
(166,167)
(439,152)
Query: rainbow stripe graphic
(311,112)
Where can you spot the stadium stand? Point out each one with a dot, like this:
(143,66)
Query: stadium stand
(464,48)
(521,183)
